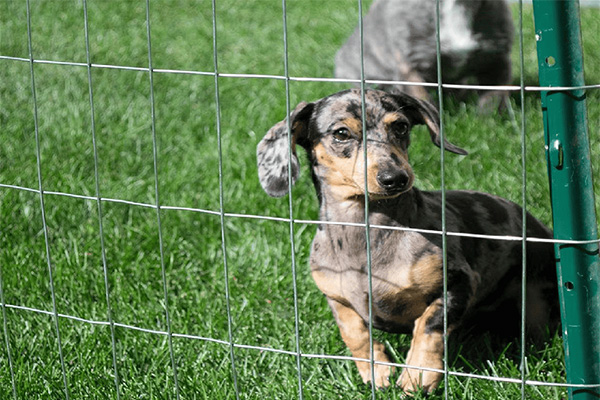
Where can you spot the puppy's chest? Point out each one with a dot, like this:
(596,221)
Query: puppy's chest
(406,274)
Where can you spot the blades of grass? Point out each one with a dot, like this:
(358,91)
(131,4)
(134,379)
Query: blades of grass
(6,338)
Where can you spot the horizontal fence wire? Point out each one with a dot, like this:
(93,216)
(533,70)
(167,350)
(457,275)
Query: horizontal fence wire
(290,352)
(297,353)
(511,88)
(305,221)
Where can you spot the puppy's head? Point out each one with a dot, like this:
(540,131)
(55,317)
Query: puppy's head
(331,131)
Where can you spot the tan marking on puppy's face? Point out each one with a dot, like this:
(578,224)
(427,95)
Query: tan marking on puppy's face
(340,160)
(338,173)
(392,117)
(353,124)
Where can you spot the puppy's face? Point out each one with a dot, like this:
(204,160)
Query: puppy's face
(338,147)
(345,162)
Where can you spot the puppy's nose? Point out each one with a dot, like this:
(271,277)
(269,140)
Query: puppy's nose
(393,179)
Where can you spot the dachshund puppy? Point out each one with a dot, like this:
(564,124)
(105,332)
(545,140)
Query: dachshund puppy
(483,274)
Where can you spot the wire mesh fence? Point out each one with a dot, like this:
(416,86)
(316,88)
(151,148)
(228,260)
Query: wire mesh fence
(114,294)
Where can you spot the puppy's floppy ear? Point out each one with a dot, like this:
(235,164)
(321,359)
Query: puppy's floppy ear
(272,152)
(423,112)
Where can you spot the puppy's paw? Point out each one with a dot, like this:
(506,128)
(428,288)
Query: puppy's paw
(382,372)
(415,380)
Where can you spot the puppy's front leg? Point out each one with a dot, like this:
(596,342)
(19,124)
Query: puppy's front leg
(426,350)
(356,336)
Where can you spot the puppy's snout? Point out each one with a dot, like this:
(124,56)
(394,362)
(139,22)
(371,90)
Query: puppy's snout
(393,180)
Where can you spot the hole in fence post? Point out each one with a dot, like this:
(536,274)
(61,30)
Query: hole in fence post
(569,286)
(550,61)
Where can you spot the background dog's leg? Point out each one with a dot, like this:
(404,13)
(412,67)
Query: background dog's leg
(407,73)
(426,350)
(356,336)
(496,72)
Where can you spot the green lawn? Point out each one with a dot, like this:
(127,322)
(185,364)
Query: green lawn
(258,251)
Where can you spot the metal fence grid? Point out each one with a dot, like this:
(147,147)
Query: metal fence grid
(291,220)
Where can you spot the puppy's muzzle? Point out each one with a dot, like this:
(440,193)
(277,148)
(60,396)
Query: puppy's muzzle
(393,180)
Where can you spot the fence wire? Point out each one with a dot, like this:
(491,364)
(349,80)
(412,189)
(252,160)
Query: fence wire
(291,78)
(43,207)
(291,203)
(221,204)
(109,311)
(291,220)
(523,201)
(157,199)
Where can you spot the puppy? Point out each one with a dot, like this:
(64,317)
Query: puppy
(483,275)
(400,44)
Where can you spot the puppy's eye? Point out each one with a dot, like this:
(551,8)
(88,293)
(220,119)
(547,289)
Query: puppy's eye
(341,135)
(400,128)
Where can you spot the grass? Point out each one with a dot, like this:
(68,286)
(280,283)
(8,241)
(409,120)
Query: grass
(258,251)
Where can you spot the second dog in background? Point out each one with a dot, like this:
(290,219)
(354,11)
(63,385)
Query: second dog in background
(400,44)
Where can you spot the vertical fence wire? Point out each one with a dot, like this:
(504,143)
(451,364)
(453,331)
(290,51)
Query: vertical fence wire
(222,203)
(290,197)
(443,192)
(524,204)
(42,205)
(157,200)
(99,200)
(365,172)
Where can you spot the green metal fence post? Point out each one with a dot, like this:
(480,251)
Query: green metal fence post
(560,61)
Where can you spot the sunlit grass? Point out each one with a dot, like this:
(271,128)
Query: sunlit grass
(258,251)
